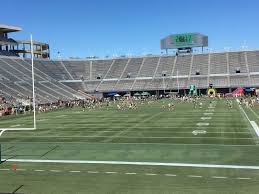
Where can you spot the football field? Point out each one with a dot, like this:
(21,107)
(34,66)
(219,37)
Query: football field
(212,149)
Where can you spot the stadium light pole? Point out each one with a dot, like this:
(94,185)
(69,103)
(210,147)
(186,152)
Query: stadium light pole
(33,87)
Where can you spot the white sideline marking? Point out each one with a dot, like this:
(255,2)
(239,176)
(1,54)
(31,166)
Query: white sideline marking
(196,132)
(167,132)
(243,178)
(164,144)
(111,172)
(39,170)
(194,176)
(4,169)
(170,175)
(252,123)
(253,112)
(15,129)
(130,173)
(134,163)
(74,171)
(157,137)
(203,124)
(219,177)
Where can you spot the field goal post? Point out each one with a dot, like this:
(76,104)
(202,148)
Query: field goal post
(2,130)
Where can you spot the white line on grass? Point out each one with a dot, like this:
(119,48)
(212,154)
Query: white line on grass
(254,112)
(110,138)
(194,176)
(202,124)
(252,123)
(130,173)
(15,129)
(134,163)
(160,144)
(161,131)
(243,178)
(170,175)
(39,170)
(153,137)
(55,170)
(75,171)
(255,126)
(111,172)
(219,177)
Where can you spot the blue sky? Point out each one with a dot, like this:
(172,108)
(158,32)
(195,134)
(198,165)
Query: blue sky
(81,28)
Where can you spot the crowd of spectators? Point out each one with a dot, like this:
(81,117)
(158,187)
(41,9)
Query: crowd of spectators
(12,107)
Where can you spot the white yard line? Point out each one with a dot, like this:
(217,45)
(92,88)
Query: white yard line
(111,172)
(55,170)
(134,163)
(243,178)
(170,175)
(194,176)
(130,173)
(203,124)
(74,171)
(219,177)
(110,138)
(39,170)
(92,172)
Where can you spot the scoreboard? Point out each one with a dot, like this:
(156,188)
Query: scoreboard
(186,40)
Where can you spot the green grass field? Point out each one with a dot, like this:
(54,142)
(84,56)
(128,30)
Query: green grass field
(148,134)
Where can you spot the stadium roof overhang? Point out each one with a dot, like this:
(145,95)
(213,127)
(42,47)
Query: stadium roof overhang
(7,29)
(8,41)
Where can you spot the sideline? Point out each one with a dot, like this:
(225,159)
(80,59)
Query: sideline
(134,163)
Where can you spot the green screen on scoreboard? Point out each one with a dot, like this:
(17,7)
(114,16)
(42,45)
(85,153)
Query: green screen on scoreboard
(183,39)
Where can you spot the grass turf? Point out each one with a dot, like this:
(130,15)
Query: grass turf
(147,134)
